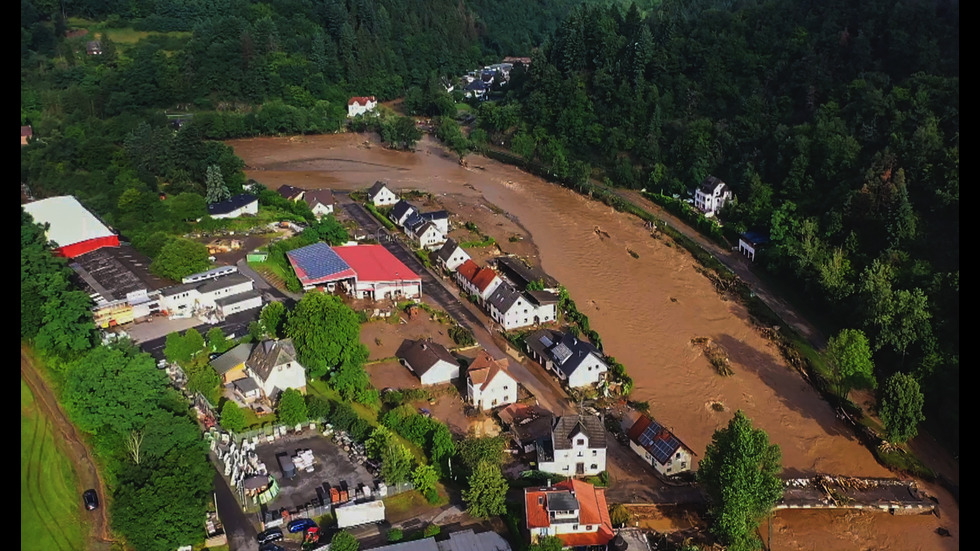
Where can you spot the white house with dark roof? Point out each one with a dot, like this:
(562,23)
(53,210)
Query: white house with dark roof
(243,203)
(488,383)
(513,309)
(576,362)
(381,196)
(320,201)
(749,243)
(402,211)
(273,367)
(427,236)
(432,362)
(657,445)
(223,296)
(577,447)
(711,196)
(450,256)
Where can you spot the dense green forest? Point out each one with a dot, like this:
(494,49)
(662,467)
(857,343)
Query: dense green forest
(836,124)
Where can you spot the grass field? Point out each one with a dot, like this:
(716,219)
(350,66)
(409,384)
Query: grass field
(122,35)
(51,515)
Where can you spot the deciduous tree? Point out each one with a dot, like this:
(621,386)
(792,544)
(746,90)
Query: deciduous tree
(326,333)
(901,407)
(740,472)
(291,408)
(273,318)
(487,491)
(344,541)
(849,359)
(180,258)
(232,417)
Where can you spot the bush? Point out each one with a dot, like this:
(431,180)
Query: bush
(461,335)
(395,534)
(431,530)
(432,496)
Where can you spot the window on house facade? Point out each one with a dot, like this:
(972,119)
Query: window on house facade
(565,468)
(594,466)
(595,453)
(580,442)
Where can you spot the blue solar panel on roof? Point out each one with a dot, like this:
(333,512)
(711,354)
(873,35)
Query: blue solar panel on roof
(318,260)
(545,340)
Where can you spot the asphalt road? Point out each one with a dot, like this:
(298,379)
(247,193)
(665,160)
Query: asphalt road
(549,393)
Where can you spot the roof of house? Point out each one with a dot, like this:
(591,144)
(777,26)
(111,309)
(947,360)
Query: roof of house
(237,298)
(319,263)
(533,429)
(321,196)
(268,354)
(245,385)
(591,505)
(522,274)
(232,358)
(375,263)
(484,278)
(484,369)
(290,192)
(566,351)
(229,205)
(542,297)
(435,215)
(448,248)
(504,297)
(517,414)
(376,188)
(468,269)
(655,438)
(709,184)
(26,131)
(569,426)
(755,238)
(70,221)
(402,208)
(422,355)
(360,100)
(424,227)
(476,85)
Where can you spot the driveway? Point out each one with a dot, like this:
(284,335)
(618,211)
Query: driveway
(548,392)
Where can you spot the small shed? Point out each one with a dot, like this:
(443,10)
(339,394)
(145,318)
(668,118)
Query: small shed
(749,243)
(257,256)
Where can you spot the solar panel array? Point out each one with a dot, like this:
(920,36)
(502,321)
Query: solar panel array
(561,352)
(660,447)
(318,260)
(545,340)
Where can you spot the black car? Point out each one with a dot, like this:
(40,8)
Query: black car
(91,499)
(271,547)
(270,535)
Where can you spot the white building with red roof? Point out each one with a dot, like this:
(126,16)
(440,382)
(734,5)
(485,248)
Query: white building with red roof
(574,511)
(364,271)
(488,383)
(360,104)
(73,229)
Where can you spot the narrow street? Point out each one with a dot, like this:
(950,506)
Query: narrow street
(549,393)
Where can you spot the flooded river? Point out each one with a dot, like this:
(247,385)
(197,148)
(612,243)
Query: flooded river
(647,309)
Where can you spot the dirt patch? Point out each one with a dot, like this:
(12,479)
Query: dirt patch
(391,374)
(383,338)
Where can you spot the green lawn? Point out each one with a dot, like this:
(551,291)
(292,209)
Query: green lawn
(51,511)
(121,35)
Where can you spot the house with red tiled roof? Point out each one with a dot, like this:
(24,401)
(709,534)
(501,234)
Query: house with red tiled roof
(574,511)
(359,105)
(25,133)
(481,282)
(488,383)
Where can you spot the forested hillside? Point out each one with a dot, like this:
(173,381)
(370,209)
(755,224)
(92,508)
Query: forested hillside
(836,124)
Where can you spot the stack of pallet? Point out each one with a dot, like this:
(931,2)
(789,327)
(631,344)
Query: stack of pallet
(304,460)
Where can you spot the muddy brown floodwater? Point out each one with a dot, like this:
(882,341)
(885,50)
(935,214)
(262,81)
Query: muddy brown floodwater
(647,309)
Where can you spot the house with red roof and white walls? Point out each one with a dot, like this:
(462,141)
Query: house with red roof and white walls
(574,511)
(359,105)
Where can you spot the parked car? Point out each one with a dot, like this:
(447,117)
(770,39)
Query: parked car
(91,499)
(270,535)
(271,547)
(300,525)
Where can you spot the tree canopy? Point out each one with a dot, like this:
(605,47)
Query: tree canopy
(291,409)
(739,473)
(901,407)
(326,334)
(850,361)
(487,492)
(180,258)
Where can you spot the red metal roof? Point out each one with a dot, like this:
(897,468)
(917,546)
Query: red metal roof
(375,263)
(360,100)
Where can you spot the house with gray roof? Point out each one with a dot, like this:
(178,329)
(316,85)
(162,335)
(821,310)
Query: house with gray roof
(451,255)
(432,362)
(711,196)
(402,211)
(514,309)
(243,203)
(320,201)
(577,447)
(380,195)
(214,298)
(576,362)
(231,365)
(272,365)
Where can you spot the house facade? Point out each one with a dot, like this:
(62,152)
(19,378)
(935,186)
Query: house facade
(221,296)
(427,236)
(430,361)
(273,367)
(577,363)
(513,309)
(381,196)
(320,201)
(658,446)
(577,447)
(231,365)
(360,104)
(489,384)
(749,244)
(574,511)
(402,211)
(238,205)
(450,256)
(711,196)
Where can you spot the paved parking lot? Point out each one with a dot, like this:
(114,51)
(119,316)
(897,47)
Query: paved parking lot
(332,467)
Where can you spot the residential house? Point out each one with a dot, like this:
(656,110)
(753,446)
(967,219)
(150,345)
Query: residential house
(243,203)
(576,362)
(93,47)
(438,217)
(247,390)
(427,236)
(513,309)
(231,365)
(522,275)
(273,367)
(402,211)
(25,133)
(451,255)
(749,243)
(320,201)
(381,196)
(711,196)
(476,89)
(430,361)
(574,511)
(529,425)
(290,193)
(577,447)
(483,282)
(360,105)
(657,445)
(488,383)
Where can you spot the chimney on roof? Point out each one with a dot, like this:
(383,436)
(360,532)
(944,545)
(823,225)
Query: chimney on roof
(424,347)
